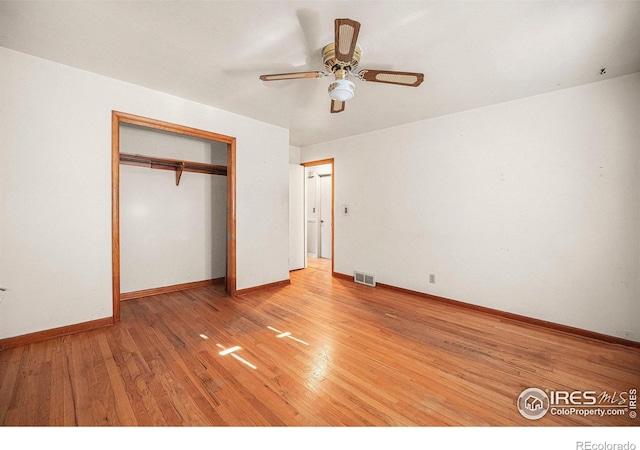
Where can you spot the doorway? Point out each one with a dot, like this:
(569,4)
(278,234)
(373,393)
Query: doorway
(119,119)
(319,212)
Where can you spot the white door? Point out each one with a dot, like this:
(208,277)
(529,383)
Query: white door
(296,217)
(311,208)
(325,216)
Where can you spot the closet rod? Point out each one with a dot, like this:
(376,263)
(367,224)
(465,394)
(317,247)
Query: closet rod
(172,164)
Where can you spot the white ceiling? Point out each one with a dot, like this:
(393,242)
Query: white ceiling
(473,53)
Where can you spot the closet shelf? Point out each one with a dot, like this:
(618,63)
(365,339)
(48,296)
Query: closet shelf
(172,164)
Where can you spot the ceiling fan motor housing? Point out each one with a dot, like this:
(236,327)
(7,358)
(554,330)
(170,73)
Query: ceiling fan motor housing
(332,64)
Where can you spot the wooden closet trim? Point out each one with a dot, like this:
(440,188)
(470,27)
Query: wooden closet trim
(118,118)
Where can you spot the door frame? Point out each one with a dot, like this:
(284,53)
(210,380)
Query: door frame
(333,205)
(118,118)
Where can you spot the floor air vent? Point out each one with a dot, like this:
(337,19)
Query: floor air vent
(364,278)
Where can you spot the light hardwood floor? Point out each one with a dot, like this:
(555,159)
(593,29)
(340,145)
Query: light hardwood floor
(320,352)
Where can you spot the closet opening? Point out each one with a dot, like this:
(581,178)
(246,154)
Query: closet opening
(203,172)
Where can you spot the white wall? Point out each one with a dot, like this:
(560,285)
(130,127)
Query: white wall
(530,207)
(297,255)
(171,234)
(55,189)
(294,154)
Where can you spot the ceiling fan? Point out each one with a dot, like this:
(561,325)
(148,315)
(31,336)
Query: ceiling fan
(340,59)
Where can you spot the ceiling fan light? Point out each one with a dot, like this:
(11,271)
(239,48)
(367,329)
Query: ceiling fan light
(342,90)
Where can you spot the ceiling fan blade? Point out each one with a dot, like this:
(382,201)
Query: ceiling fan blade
(346,37)
(337,106)
(291,76)
(387,76)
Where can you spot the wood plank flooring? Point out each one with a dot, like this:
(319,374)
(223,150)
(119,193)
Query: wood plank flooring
(319,352)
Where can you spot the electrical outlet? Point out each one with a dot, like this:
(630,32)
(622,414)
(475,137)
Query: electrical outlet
(432,278)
